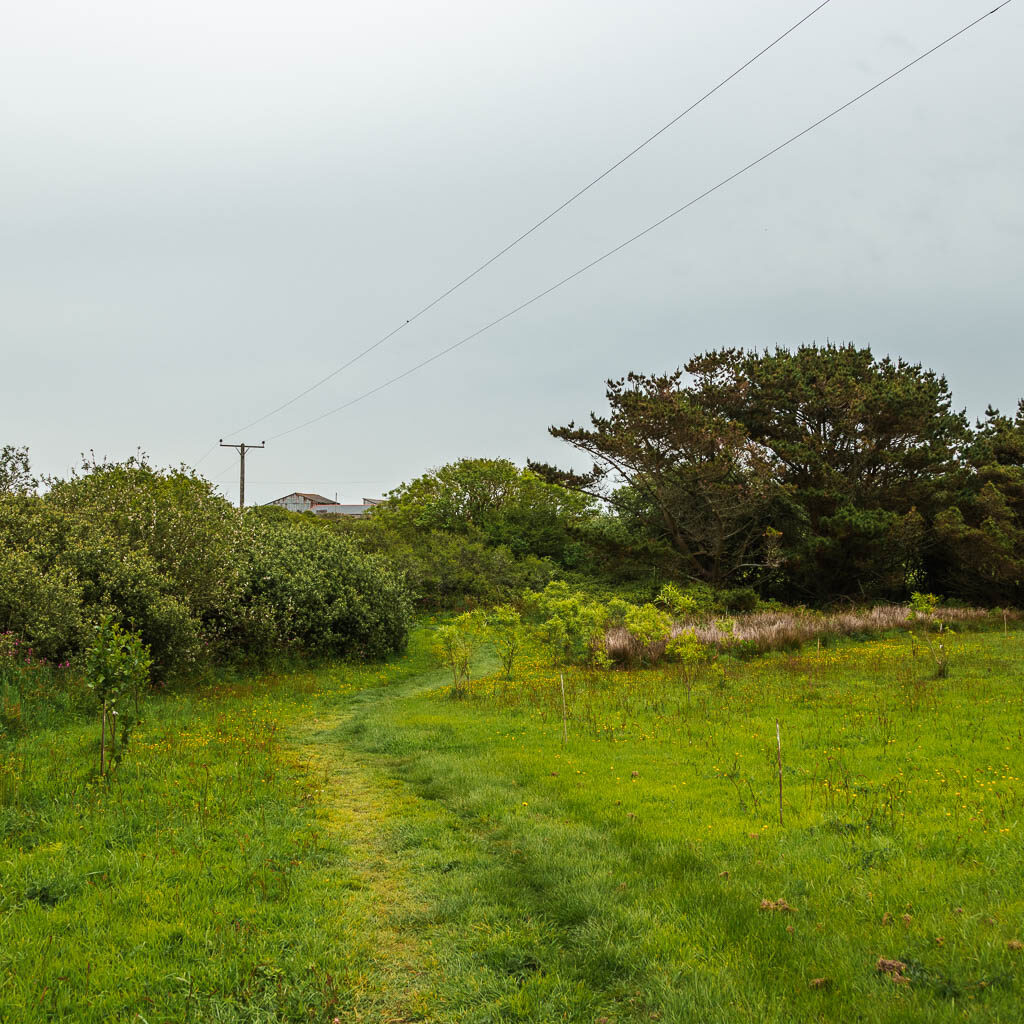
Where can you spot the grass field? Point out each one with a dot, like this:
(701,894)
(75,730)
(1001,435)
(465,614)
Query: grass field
(351,843)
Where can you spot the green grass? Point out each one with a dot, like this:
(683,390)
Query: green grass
(319,845)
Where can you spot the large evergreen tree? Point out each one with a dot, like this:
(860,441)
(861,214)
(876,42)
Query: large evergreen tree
(979,552)
(866,447)
(682,473)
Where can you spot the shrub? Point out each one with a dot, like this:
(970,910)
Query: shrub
(194,577)
(648,628)
(686,651)
(571,626)
(309,588)
(675,602)
(740,599)
(454,647)
(449,570)
(506,631)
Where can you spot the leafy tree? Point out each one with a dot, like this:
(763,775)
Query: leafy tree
(454,646)
(648,627)
(683,474)
(493,501)
(117,665)
(571,625)
(686,651)
(506,630)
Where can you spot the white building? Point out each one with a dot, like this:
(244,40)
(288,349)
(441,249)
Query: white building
(304,501)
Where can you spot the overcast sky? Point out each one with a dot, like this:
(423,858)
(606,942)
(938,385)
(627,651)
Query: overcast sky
(207,206)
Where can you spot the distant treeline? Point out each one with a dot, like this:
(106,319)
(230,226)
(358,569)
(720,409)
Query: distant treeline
(819,476)
(815,476)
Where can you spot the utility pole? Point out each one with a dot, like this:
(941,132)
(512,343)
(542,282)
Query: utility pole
(242,449)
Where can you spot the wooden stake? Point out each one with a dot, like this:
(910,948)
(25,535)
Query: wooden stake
(778,740)
(565,727)
(103,733)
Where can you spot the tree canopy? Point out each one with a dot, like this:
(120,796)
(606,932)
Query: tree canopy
(815,473)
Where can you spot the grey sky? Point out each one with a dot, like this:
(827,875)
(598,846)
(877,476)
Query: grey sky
(205,206)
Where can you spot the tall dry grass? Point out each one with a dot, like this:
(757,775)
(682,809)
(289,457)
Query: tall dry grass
(759,632)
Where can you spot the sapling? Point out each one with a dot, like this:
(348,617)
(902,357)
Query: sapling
(506,630)
(117,665)
(922,611)
(685,650)
(454,646)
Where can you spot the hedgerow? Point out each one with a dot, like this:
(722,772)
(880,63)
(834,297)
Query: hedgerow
(161,554)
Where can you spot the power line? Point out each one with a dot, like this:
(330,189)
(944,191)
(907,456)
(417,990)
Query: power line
(646,231)
(526,234)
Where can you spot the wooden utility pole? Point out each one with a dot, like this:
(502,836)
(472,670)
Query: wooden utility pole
(242,449)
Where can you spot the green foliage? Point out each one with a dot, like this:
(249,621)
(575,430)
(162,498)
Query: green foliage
(116,665)
(449,570)
(689,654)
(308,588)
(15,472)
(506,632)
(686,650)
(198,580)
(616,612)
(808,474)
(648,625)
(922,612)
(675,602)
(493,501)
(979,553)
(863,446)
(680,473)
(455,644)
(923,605)
(738,599)
(570,625)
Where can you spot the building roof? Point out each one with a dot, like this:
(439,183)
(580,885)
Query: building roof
(316,499)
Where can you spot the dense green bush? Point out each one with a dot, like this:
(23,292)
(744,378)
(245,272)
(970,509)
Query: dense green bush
(495,502)
(309,587)
(160,553)
(449,570)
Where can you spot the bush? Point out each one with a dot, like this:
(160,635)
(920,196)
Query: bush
(648,628)
(160,551)
(448,570)
(572,627)
(506,631)
(675,602)
(454,647)
(741,599)
(308,588)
